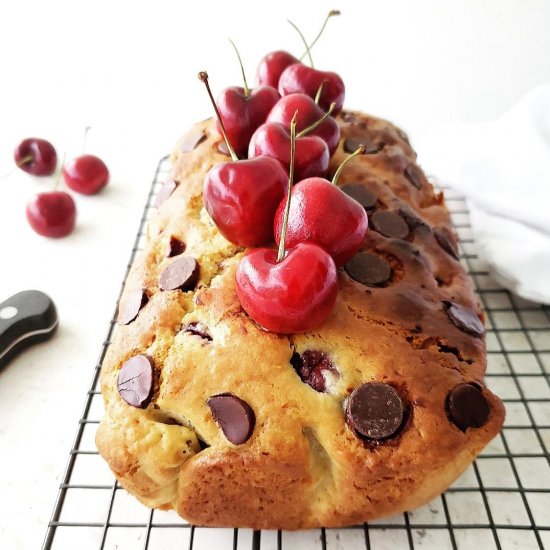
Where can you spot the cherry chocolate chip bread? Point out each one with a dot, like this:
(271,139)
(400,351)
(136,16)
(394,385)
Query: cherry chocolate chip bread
(376,411)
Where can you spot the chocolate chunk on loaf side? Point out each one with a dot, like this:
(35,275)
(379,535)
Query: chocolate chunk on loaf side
(377,411)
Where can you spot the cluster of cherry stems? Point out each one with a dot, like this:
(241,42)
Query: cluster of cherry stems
(285,127)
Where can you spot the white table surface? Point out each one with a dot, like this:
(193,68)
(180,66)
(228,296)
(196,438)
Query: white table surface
(128,69)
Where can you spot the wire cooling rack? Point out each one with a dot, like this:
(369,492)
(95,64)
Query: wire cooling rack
(502,501)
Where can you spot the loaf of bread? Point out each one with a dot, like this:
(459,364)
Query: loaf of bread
(376,411)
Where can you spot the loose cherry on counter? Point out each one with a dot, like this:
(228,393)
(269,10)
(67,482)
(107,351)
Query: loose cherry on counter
(52,213)
(272,139)
(86,174)
(308,113)
(288,291)
(242,110)
(242,196)
(323,214)
(36,156)
(324,86)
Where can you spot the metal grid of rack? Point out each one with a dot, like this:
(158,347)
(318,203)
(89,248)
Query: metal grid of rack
(502,501)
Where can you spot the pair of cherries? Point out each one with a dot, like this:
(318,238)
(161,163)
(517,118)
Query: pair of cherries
(53,213)
(289,75)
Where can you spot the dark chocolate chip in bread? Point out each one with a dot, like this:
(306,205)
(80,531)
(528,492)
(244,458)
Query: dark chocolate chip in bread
(131,306)
(389,224)
(371,146)
(221,147)
(464,318)
(167,189)
(369,268)
(446,242)
(135,381)
(234,416)
(467,407)
(182,273)
(375,410)
(358,191)
(192,141)
(412,173)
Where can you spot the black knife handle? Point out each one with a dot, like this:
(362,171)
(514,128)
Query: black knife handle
(26,318)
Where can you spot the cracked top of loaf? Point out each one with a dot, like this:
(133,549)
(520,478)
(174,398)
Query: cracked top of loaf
(405,317)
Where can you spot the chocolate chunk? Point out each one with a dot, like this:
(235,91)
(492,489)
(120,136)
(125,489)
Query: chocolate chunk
(413,221)
(167,189)
(413,174)
(403,135)
(192,141)
(361,194)
(310,366)
(446,242)
(464,318)
(182,273)
(135,381)
(467,407)
(175,247)
(371,146)
(131,306)
(234,416)
(369,269)
(389,224)
(198,329)
(222,148)
(375,410)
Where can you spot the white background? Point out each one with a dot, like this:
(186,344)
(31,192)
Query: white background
(128,69)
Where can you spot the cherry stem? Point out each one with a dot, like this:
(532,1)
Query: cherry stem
(85,140)
(203,77)
(359,151)
(319,92)
(281,253)
(316,124)
(246,88)
(58,181)
(331,13)
(22,162)
(305,43)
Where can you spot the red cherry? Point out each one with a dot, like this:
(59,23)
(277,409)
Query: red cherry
(52,214)
(36,156)
(272,139)
(242,197)
(300,78)
(294,295)
(323,214)
(271,67)
(86,174)
(242,114)
(308,113)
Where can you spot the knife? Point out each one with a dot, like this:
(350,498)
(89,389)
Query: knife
(26,318)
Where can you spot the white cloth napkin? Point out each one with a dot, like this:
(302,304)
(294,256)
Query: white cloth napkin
(503,169)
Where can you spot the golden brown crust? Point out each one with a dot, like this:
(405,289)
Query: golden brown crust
(303,466)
